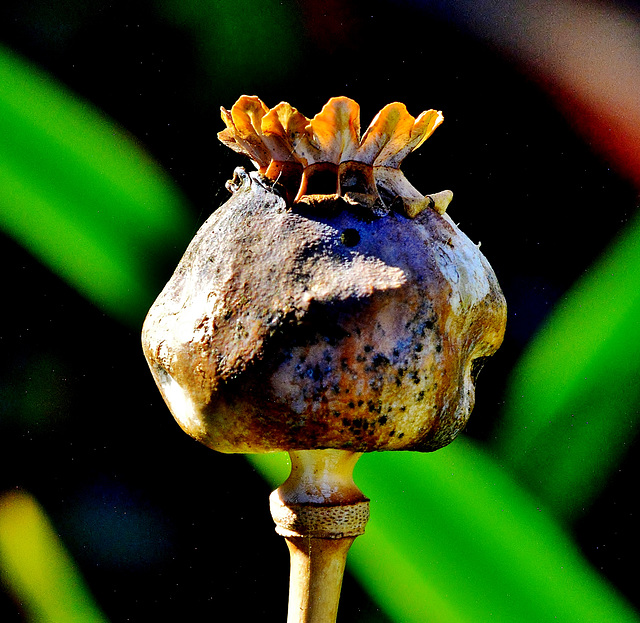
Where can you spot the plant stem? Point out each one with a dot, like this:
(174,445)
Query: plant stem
(320,511)
(317,568)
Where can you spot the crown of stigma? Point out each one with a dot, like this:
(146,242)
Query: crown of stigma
(325,157)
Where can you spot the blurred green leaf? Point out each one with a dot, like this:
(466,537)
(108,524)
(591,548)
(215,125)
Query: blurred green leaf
(452,539)
(79,194)
(37,569)
(574,398)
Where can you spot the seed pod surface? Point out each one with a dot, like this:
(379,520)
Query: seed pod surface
(354,319)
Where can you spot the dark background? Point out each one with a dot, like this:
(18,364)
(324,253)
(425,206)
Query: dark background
(159,525)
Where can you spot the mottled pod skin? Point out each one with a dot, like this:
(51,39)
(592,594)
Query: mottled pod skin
(325,321)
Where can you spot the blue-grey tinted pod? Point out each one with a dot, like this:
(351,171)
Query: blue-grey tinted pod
(327,303)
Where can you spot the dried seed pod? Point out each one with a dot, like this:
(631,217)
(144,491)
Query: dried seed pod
(327,305)
(319,323)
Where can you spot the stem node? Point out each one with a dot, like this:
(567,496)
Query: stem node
(320,511)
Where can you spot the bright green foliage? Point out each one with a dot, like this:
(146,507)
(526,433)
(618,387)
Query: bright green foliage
(453,539)
(79,194)
(36,567)
(574,396)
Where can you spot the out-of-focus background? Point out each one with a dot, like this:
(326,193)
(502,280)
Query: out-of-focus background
(109,163)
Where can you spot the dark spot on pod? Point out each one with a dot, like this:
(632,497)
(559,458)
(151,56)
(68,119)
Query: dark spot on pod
(382,419)
(315,373)
(350,237)
(380,360)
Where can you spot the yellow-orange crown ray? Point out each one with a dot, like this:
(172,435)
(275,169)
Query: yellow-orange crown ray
(288,147)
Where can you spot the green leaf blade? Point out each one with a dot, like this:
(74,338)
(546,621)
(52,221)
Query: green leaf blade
(571,406)
(36,567)
(80,195)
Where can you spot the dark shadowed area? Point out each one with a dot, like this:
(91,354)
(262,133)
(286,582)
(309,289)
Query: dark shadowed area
(160,526)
